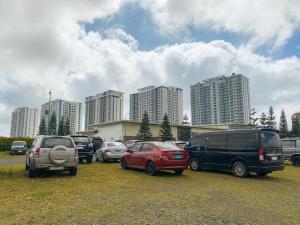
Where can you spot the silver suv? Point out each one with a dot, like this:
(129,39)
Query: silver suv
(52,153)
(291,150)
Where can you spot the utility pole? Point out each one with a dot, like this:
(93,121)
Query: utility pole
(49,111)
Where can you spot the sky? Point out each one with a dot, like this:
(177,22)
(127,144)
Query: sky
(81,48)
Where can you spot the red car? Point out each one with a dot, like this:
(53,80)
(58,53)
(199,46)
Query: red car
(155,156)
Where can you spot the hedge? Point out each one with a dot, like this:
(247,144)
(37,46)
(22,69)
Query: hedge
(5,142)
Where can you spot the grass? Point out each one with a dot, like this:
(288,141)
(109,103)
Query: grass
(4,154)
(106,194)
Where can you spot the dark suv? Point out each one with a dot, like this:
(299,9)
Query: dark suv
(239,151)
(85,148)
(97,143)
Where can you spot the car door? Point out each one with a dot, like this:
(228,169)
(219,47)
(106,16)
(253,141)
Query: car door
(132,158)
(143,155)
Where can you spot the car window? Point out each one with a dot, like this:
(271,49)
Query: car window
(198,141)
(165,146)
(52,142)
(217,141)
(288,143)
(146,147)
(19,143)
(136,147)
(270,139)
(242,140)
(81,140)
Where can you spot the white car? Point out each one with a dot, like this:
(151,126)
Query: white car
(110,151)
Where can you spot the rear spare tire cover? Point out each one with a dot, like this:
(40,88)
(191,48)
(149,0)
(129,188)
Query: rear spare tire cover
(59,155)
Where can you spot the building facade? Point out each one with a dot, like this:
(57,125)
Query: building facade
(106,107)
(295,119)
(68,110)
(24,122)
(157,101)
(221,100)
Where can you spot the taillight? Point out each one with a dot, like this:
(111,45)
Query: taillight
(76,152)
(261,154)
(37,152)
(163,155)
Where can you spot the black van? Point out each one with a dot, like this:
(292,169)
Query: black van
(239,151)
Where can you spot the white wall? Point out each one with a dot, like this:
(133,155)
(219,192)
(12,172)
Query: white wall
(110,133)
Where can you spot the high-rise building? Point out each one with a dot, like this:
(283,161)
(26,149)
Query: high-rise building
(103,108)
(295,119)
(67,110)
(221,100)
(24,122)
(157,101)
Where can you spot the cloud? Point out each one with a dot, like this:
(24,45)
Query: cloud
(55,52)
(265,21)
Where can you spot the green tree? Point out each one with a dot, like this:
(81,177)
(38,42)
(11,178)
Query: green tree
(61,127)
(165,131)
(144,133)
(271,123)
(296,128)
(67,127)
(52,125)
(263,120)
(283,125)
(253,119)
(185,133)
(42,127)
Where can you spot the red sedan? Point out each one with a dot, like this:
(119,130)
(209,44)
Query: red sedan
(155,156)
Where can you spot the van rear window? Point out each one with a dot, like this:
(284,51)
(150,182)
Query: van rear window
(52,142)
(270,139)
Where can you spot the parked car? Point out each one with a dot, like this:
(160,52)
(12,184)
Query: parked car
(179,144)
(85,148)
(97,143)
(291,150)
(18,147)
(110,151)
(239,151)
(130,143)
(154,157)
(52,153)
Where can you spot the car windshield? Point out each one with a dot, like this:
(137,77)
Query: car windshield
(18,143)
(114,144)
(52,142)
(166,146)
(270,139)
(81,139)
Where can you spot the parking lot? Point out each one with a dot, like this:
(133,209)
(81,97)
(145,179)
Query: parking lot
(106,194)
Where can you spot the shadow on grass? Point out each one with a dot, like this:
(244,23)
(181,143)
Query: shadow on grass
(163,173)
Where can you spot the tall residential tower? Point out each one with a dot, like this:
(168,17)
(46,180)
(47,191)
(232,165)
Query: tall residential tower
(24,122)
(103,108)
(221,100)
(157,101)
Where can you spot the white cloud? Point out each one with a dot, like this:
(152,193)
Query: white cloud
(55,52)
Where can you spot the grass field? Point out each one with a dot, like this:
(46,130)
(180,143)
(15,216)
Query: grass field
(106,194)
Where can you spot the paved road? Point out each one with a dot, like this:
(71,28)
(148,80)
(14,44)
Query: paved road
(12,160)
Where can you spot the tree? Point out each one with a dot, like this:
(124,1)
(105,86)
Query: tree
(296,127)
(271,123)
(185,133)
(52,124)
(253,119)
(263,120)
(61,127)
(144,133)
(43,128)
(283,125)
(67,127)
(165,131)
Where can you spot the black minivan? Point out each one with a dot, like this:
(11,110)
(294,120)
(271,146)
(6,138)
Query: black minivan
(240,151)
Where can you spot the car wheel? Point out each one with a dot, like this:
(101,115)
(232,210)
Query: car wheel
(194,164)
(150,169)
(179,171)
(124,164)
(240,170)
(26,166)
(89,160)
(73,171)
(262,174)
(296,161)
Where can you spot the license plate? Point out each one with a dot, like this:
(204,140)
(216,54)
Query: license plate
(274,158)
(56,168)
(178,156)
(19,150)
(80,148)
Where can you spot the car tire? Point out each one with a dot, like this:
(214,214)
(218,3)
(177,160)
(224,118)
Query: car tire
(73,171)
(179,171)
(89,160)
(102,159)
(194,164)
(239,169)
(124,164)
(262,174)
(296,161)
(26,166)
(150,169)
